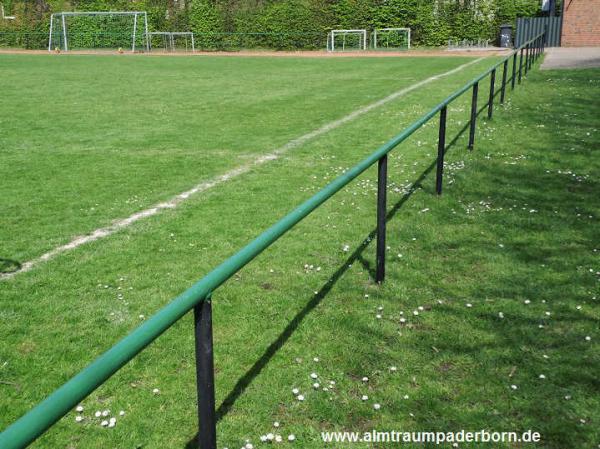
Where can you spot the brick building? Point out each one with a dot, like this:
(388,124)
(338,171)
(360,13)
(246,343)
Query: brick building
(581,23)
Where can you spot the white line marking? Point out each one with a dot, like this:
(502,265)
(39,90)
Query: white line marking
(117,225)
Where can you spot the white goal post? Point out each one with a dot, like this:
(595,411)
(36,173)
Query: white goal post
(89,33)
(391,38)
(345,40)
(169,39)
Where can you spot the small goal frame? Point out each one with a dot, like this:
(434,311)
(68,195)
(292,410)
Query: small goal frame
(61,16)
(333,33)
(379,30)
(170,38)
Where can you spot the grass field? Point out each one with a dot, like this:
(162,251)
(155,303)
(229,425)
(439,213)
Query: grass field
(86,140)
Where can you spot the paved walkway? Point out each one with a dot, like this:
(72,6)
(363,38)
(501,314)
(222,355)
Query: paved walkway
(572,58)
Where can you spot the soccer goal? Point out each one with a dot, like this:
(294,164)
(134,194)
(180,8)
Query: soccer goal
(99,30)
(347,40)
(391,39)
(172,41)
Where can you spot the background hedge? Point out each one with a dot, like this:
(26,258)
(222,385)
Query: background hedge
(282,24)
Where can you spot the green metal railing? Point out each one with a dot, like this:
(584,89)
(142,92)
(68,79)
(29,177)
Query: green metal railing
(33,424)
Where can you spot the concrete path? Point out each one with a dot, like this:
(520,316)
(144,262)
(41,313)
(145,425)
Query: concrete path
(572,58)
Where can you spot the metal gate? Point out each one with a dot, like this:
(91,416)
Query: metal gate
(527,28)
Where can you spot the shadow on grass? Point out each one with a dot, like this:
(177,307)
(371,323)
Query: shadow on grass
(8,266)
(529,191)
(549,236)
(284,336)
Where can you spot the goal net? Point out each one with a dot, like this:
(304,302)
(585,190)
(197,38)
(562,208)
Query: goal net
(391,39)
(347,40)
(170,41)
(127,30)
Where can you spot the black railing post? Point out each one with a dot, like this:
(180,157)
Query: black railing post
(504,74)
(530,57)
(441,150)
(492,93)
(526,59)
(205,375)
(514,71)
(544,38)
(381,217)
(521,65)
(473,116)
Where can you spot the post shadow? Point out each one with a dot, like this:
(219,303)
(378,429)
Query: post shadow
(8,266)
(357,255)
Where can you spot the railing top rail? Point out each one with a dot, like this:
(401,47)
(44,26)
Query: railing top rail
(61,401)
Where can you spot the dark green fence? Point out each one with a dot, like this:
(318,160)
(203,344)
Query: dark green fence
(198,297)
(529,27)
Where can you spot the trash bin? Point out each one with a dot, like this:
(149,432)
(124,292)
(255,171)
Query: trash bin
(506,36)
